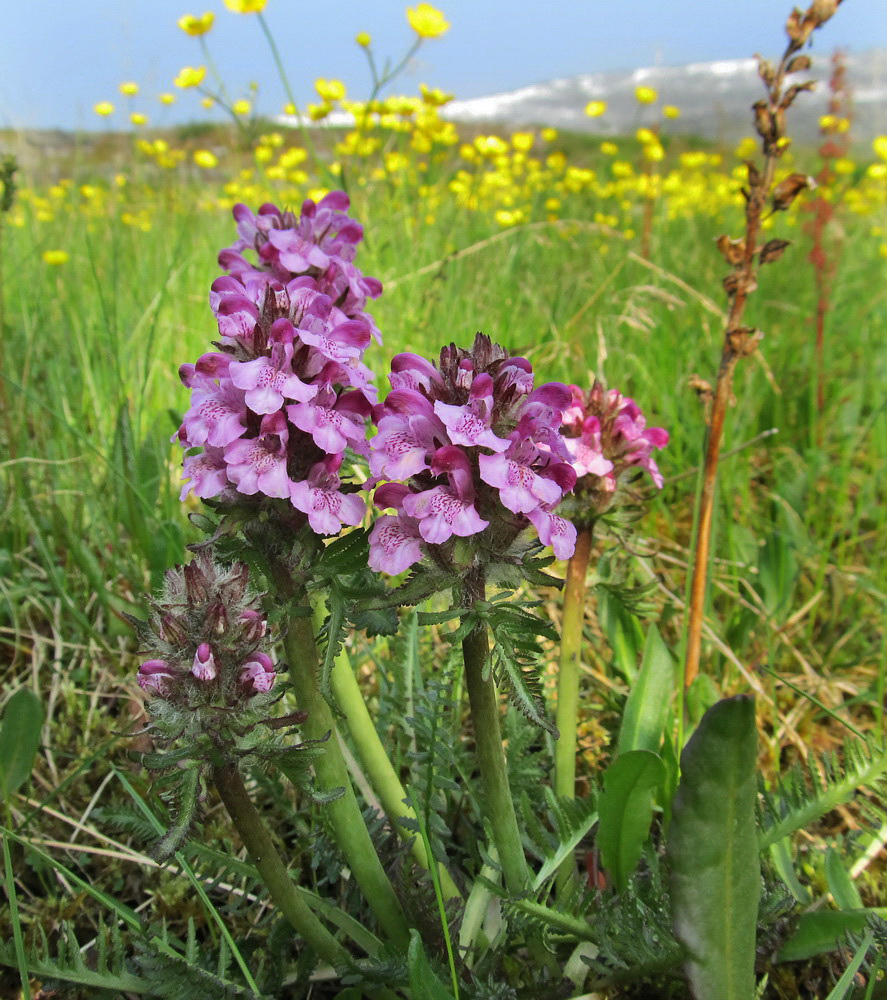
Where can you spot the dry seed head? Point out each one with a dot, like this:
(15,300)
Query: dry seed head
(772,250)
(733,250)
(799,64)
(744,341)
(787,190)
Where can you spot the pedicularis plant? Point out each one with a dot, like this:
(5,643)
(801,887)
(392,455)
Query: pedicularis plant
(457,483)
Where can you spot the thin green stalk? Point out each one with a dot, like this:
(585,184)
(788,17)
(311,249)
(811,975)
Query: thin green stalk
(382,775)
(17,938)
(345,817)
(484,703)
(270,866)
(568,672)
(281,72)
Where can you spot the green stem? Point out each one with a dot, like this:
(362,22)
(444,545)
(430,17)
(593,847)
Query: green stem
(270,866)
(378,765)
(484,703)
(345,817)
(284,79)
(568,673)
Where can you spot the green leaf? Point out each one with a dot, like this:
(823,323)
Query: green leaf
(19,740)
(625,809)
(840,884)
(823,930)
(847,980)
(423,982)
(713,854)
(646,710)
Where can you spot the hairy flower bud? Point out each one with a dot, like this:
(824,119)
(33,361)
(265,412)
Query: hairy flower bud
(257,673)
(156,677)
(204,666)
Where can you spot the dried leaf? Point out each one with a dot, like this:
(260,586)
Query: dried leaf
(799,64)
(787,190)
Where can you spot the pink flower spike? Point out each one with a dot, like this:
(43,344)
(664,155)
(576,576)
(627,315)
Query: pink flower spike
(395,544)
(257,673)
(520,489)
(204,666)
(320,499)
(444,511)
(258,465)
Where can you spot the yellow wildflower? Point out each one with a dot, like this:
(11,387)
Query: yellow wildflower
(104,108)
(844,166)
(289,108)
(241,107)
(167,98)
(522,141)
(594,109)
(129,89)
(645,135)
(609,148)
(645,95)
(329,90)
(194,26)
(827,122)
(747,148)
(55,257)
(426,21)
(205,159)
(671,111)
(190,76)
(880,147)
(207,102)
(246,6)
(548,134)
(137,118)
(363,40)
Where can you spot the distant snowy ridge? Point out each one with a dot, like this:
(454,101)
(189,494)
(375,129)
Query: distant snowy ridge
(714,98)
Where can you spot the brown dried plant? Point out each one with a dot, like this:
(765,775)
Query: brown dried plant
(763,196)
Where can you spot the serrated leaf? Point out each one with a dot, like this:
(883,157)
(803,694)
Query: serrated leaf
(378,621)
(647,707)
(19,740)
(625,810)
(423,982)
(440,617)
(186,804)
(713,855)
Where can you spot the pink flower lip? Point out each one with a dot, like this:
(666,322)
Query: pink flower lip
(204,666)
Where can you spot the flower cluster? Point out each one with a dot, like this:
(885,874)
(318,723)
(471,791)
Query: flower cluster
(206,634)
(287,392)
(607,436)
(479,450)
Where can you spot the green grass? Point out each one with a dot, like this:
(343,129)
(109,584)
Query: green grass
(89,481)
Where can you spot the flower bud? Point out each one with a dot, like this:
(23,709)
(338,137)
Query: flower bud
(257,673)
(172,629)
(204,667)
(155,677)
(254,625)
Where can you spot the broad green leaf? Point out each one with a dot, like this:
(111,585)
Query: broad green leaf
(625,809)
(646,710)
(713,853)
(623,633)
(840,884)
(423,982)
(19,739)
(823,930)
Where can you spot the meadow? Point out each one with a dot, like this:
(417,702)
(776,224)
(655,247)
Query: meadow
(590,258)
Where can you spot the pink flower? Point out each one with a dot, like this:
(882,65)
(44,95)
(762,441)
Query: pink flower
(217,416)
(259,464)
(470,424)
(395,544)
(320,499)
(444,511)
(257,673)
(333,422)
(207,472)
(520,487)
(268,381)
(156,677)
(555,531)
(204,667)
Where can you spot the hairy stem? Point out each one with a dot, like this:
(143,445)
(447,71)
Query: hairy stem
(270,866)
(484,704)
(344,815)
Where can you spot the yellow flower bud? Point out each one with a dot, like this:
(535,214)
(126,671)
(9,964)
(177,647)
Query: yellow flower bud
(195,26)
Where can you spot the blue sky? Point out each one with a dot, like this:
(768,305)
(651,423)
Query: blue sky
(57,59)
